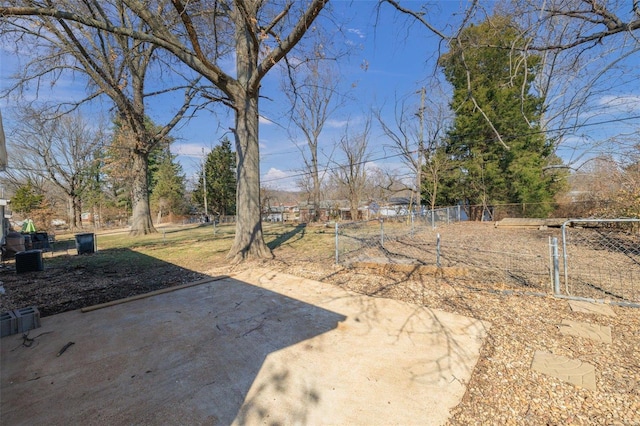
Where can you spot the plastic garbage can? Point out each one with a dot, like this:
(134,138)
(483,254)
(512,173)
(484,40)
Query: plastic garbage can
(86,243)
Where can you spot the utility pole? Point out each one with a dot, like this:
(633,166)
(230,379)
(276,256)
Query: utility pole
(420,151)
(204,183)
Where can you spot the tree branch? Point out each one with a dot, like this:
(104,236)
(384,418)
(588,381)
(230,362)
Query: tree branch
(289,42)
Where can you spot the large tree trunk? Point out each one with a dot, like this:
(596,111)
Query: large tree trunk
(248,242)
(141,223)
(75,216)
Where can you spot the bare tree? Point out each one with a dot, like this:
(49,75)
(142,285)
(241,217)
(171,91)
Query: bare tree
(313,98)
(404,137)
(259,35)
(62,151)
(593,21)
(3,150)
(579,77)
(383,183)
(590,21)
(583,45)
(351,175)
(118,67)
(416,136)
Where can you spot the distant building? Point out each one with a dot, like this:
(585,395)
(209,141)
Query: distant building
(281,213)
(327,210)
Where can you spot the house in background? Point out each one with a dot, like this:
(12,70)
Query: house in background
(281,213)
(327,211)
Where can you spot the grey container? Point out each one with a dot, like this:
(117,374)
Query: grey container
(86,243)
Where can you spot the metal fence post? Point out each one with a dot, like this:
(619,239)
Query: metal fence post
(433,218)
(337,256)
(564,255)
(438,250)
(382,233)
(556,266)
(412,225)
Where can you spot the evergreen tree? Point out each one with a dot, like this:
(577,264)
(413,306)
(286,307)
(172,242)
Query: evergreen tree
(496,142)
(119,164)
(220,168)
(26,199)
(168,184)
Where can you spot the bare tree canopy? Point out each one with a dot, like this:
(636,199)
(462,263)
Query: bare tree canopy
(203,35)
(415,134)
(312,90)
(351,175)
(593,21)
(61,151)
(116,66)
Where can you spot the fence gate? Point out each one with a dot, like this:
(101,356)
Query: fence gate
(601,259)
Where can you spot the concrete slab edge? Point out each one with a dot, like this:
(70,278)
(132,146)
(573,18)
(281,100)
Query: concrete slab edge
(151,293)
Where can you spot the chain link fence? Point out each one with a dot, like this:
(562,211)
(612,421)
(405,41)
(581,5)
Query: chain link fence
(601,259)
(474,251)
(357,240)
(592,259)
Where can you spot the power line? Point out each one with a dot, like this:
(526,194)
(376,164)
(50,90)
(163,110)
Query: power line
(510,137)
(558,129)
(340,166)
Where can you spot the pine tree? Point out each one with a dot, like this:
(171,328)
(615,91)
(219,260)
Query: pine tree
(496,142)
(168,185)
(220,168)
(26,199)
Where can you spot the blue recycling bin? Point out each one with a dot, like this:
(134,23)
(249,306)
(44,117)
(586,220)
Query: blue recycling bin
(86,243)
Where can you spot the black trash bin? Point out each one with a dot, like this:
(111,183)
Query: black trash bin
(85,243)
(40,240)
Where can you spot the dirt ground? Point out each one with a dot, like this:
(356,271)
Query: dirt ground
(76,282)
(503,388)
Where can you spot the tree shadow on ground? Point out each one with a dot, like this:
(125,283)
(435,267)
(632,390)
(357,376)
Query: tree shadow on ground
(186,356)
(214,354)
(298,230)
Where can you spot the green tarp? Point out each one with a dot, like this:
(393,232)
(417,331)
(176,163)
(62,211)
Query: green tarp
(28,226)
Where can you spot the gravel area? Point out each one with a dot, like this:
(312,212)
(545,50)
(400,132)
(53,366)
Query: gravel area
(501,276)
(503,389)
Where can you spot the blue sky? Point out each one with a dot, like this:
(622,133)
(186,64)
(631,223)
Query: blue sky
(391,63)
(395,59)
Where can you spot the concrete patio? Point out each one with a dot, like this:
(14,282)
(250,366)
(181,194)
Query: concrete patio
(256,348)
